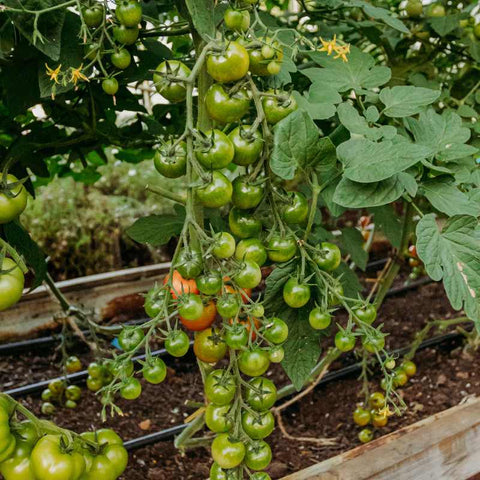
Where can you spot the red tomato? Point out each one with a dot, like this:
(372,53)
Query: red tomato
(181,285)
(207,318)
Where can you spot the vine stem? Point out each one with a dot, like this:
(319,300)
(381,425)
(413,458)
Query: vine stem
(166,193)
(13,253)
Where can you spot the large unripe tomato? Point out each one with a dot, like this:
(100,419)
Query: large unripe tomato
(216,151)
(50,462)
(248,145)
(209,346)
(220,387)
(209,283)
(236,336)
(246,195)
(204,321)
(277,109)
(296,210)
(328,257)
(435,10)
(237,20)
(251,249)
(230,64)
(225,106)
(189,263)
(18,466)
(224,245)
(170,160)
(262,394)
(121,58)
(258,425)
(7,439)
(130,338)
(93,16)
(243,224)
(414,8)
(227,452)
(172,90)
(13,202)
(217,192)
(248,275)
(296,294)
(281,249)
(11,284)
(253,362)
(129,13)
(258,455)
(216,418)
(125,35)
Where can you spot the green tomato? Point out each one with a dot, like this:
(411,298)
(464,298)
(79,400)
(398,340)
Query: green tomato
(7,439)
(13,200)
(110,86)
(73,364)
(71,404)
(319,319)
(248,275)
(224,106)
(223,245)
(281,249)
(246,195)
(216,418)
(258,455)
(94,384)
(262,394)
(93,16)
(216,151)
(414,8)
(243,224)
(366,314)
(248,145)
(237,20)
(130,338)
(170,160)
(253,363)
(48,408)
(262,58)
(365,435)
(217,192)
(228,305)
(361,416)
(172,90)
(277,109)
(155,371)
(401,378)
(190,306)
(236,336)
(11,283)
(49,461)
(129,13)
(73,392)
(229,65)
(276,354)
(435,10)
(258,425)
(155,301)
(296,210)
(125,35)
(335,295)
(220,387)
(251,249)
(47,395)
(329,257)
(377,400)
(18,466)
(260,476)
(131,389)
(227,452)
(121,58)
(409,368)
(57,386)
(189,263)
(296,294)
(209,283)
(209,346)
(177,343)
(344,341)
(276,330)
(374,344)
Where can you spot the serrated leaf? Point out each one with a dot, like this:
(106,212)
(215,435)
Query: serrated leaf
(302,347)
(358,73)
(403,101)
(365,161)
(295,144)
(351,194)
(273,301)
(444,195)
(445,25)
(389,223)
(352,242)
(453,255)
(20,239)
(156,230)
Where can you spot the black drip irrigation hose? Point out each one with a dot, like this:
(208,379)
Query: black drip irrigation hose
(43,342)
(170,433)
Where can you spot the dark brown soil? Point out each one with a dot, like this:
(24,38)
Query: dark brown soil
(445,377)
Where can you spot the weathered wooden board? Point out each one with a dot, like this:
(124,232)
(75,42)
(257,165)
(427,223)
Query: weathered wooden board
(445,446)
(36,310)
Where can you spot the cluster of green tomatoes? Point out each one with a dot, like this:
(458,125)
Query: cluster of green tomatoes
(33,450)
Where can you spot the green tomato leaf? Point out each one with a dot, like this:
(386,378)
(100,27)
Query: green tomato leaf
(358,73)
(349,280)
(383,14)
(361,195)
(444,195)
(403,101)
(453,255)
(202,15)
(156,230)
(365,161)
(444,134)
(445,25)
(302,347)
(352,242)
(295,144)
(273,301)
(389,223)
